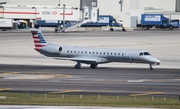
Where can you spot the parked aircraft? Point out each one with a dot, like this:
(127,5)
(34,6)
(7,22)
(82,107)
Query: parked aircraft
(91,56)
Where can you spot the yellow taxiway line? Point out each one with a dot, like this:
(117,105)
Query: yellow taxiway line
(148,93)
(9,72)
(3,89)
(65,91)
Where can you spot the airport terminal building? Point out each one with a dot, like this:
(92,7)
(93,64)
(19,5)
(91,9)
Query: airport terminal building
(126,11)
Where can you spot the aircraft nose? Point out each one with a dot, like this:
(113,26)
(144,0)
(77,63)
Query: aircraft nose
(155,60)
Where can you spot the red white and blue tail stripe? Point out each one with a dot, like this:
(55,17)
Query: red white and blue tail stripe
(39,40)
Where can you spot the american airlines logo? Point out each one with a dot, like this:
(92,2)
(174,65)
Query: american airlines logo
(49,13)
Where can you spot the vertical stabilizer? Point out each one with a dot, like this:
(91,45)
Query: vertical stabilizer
(39,40)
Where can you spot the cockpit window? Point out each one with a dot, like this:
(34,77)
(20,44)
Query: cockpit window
(146,53)
(140,54)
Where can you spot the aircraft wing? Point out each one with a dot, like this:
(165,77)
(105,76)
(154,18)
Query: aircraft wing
(88,60)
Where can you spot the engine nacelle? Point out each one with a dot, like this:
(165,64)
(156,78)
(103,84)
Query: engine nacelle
(60,49)
(51,50)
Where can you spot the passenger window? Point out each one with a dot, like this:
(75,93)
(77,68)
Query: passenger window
(93,52)
(74,51)
(118,53)
(81,51)
(114,53)
(67,51)
(71,51)
(104,53)
(96,52)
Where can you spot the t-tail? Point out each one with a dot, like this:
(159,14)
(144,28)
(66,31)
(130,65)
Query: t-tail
(39,40)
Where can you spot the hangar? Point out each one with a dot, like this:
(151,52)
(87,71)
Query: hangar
(126,11)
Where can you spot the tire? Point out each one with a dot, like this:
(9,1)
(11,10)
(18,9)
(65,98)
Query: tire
(93,66)
(171,27)
(111,29)
(4,29)
(123,29)
(77,67)
(145,27)
(36,26)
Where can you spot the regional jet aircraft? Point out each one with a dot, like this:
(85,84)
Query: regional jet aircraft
(91,56)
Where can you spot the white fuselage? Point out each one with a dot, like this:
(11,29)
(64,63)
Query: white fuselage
(102,55)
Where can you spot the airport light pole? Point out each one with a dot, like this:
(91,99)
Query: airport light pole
(64,15)
(59,3)
(121,3)
(76,14)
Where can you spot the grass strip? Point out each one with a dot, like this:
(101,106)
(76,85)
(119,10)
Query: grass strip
(88,100)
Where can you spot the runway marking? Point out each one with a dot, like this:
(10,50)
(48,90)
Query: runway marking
(65,91)
(153,80)
(30,76)
(4,72)
(3,89)
(148,43)
(62,75)
(141,80)
(148,93)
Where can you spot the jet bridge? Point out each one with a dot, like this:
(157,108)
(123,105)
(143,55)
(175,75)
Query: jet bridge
(74,26)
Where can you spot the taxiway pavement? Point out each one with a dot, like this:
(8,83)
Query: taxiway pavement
(103,80)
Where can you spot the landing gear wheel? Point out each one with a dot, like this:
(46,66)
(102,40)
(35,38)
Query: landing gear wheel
(93,66)
(77,67)
(150,68)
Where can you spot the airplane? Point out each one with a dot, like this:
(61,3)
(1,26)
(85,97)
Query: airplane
(91,56)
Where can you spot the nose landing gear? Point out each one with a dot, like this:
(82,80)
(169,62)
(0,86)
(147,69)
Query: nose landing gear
(150,67)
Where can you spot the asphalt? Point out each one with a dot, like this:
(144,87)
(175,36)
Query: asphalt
(103,80)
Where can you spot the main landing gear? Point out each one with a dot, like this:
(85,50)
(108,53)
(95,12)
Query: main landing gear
(150,67)
(93,66)
(78,65)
